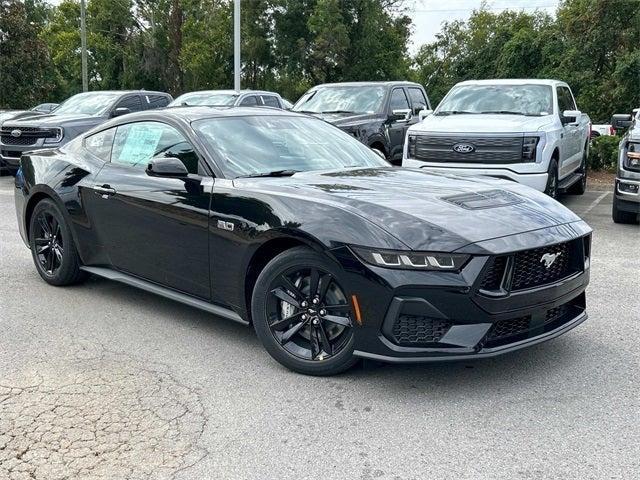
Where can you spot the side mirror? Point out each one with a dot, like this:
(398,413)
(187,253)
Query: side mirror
(424,113)
(120,111)
(401,114)
(571,116)
(621,120)
(166,167)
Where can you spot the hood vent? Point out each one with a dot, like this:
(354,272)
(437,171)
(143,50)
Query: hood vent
(486,199)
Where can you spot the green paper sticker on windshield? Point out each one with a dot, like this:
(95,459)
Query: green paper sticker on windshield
(141,143)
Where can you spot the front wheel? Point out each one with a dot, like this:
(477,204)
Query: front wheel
(302,314)
(552,179)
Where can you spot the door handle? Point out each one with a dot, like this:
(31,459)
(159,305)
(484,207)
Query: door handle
(104,191)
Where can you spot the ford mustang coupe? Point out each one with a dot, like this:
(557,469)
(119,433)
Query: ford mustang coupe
(280,220)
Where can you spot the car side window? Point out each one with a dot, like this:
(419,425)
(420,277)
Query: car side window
(399,100)
(156,101)
(132,102)
(565,100)
(271,101)
(249,101)
(137,143)
(418,99)
(99,144)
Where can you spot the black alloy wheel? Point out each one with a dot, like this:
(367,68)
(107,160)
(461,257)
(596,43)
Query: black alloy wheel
(552,180)
(302,314)
(52,246)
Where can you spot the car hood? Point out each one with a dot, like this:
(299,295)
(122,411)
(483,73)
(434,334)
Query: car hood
(53,120)
(425,210)
(478,123)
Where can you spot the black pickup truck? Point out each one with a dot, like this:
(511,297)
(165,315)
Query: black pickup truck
(76,115)
(376,113)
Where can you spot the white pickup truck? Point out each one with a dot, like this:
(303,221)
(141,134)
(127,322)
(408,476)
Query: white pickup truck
(529,131)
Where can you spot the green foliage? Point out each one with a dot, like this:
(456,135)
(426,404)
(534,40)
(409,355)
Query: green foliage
(603,153)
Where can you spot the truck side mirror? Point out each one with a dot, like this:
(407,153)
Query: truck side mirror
(401,114)
(621,120)
(424,113)
(120,111)
(571,116)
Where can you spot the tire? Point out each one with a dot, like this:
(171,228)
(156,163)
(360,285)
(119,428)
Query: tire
(52,247)
(304,337)
(580,186)
(551,188)
(620,216)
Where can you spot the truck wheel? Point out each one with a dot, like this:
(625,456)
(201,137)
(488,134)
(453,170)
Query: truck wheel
(552,180)
(580,186)
(620,216)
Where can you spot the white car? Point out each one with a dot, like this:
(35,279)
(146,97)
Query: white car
(529,131)
(602,130)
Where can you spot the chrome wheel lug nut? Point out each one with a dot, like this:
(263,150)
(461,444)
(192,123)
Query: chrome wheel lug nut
(304,316)
(315,321)
(323,312)
(304,304)
(315,301)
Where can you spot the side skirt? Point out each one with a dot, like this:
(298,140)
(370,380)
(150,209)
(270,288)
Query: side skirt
(165,292)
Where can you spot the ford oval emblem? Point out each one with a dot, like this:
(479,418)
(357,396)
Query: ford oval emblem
(464,148)
(16,133)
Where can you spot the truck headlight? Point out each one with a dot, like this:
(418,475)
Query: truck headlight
(529,146)
(409,260)
(632,157)
(59,133)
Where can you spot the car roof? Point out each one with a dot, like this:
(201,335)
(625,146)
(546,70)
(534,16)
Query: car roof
(192,113)
(513,81)
(125,92)
(232,92)
(389,83)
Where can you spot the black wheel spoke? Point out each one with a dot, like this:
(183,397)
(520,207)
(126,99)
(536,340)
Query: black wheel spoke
(41,241)
(44,225)
(288,284)
(326,344)
(325,281)
(49,265)
(40,250)
(54,226)
(286,336)
(283,295)
(342,307)
(315,345)
(279,324)
(314,279)
(344,321)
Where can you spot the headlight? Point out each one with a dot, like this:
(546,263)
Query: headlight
(59,133)
(411,148)
(529,146)
(632,158)
(409,260)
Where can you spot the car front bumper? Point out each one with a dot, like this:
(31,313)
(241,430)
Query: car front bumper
(537,181)
(411,316)
(627,192)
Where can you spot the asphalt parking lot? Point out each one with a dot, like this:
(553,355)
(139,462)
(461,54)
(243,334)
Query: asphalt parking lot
(105,381)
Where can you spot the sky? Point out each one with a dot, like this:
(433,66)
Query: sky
(428,15)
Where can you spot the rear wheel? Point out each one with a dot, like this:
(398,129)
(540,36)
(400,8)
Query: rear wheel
(620,216)
(301,313)
(552,179)
(52,247)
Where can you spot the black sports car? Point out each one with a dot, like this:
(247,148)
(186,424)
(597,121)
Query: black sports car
(283,221)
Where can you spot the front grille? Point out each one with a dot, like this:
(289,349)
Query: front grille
(412,330)
(509,328)
(497,150)
(28,135)
(9,140)
(530,267)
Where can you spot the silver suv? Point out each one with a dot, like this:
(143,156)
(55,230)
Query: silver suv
(626,202)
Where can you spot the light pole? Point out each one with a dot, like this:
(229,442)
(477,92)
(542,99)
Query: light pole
(236,45)
(83,46)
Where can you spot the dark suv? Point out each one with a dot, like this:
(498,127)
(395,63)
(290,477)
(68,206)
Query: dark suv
(75,116)
(376,113)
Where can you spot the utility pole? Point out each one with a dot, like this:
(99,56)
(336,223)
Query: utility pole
(83,46)
(236,45)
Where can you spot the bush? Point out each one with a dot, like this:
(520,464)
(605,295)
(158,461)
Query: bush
(603,153)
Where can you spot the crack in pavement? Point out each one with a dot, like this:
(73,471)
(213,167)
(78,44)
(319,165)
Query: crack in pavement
(98,416)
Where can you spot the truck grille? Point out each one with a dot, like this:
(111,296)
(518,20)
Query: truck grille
(496,150)
(534,268)
(28,135)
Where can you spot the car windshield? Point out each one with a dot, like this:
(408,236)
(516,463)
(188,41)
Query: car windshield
(260,145)
(90,103)
(351,99)
(533,99)
(205,98)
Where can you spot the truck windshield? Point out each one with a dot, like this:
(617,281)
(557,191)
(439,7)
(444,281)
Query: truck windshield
(90,103)
(533,99)
(262,145)
(211,99)
(342,99)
